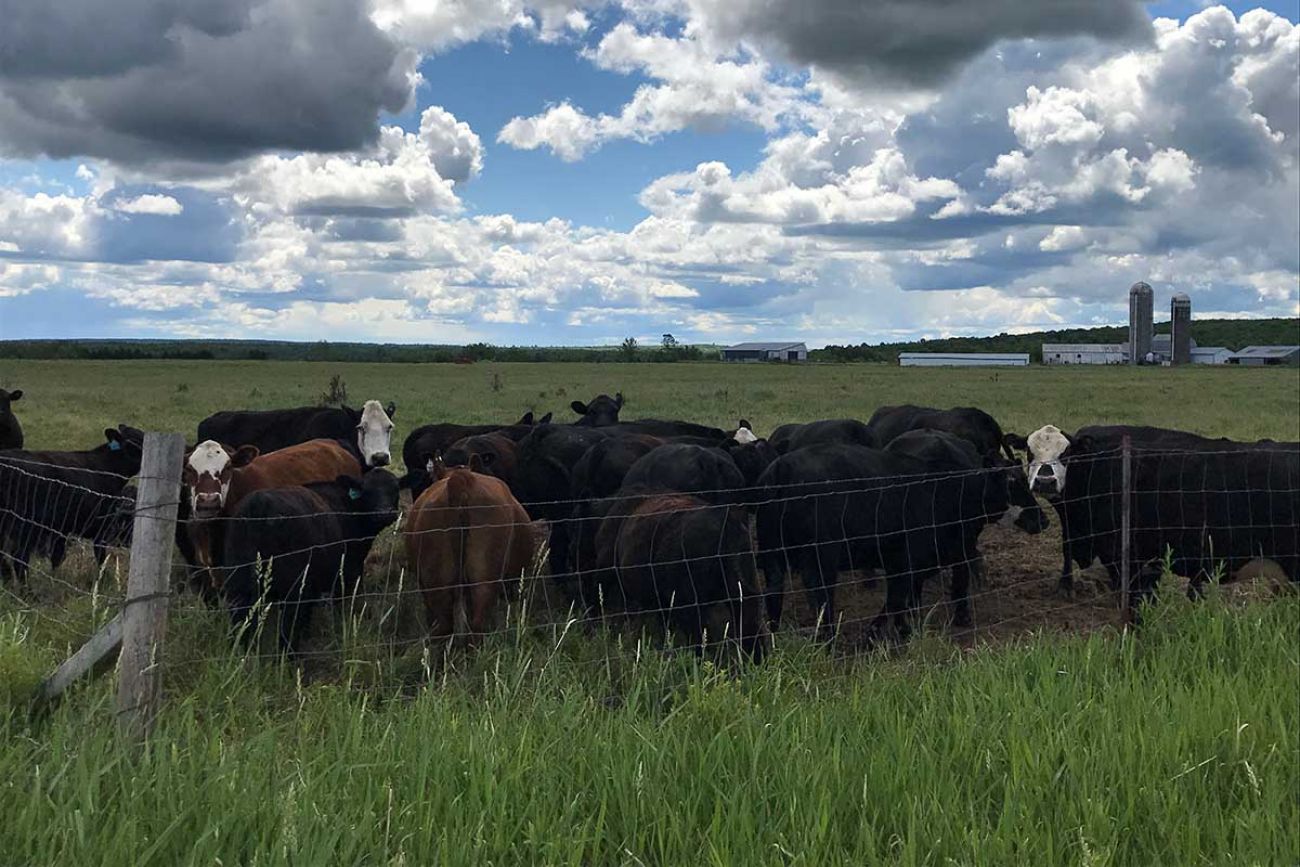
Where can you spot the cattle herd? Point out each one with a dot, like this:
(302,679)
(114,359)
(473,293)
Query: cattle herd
(671,518)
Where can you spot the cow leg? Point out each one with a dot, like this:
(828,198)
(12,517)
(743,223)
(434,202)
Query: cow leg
(775,567)
(819,570)
(295,619)
(1065,584)
(482,599)
(892,621)
(440,609)
(959,595)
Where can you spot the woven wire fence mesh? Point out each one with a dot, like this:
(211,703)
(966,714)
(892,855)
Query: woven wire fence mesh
(855,562)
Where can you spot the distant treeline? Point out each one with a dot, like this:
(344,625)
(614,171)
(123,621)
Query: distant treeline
(1232,333)
(258,350)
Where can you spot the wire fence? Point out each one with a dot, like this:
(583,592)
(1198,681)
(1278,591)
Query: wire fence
(840,556)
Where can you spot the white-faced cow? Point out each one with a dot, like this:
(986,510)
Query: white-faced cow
(216,478)
(1200,504)
(366,432)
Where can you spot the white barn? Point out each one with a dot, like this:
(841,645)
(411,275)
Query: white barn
(963,359)
(1085,353)
(1211,354)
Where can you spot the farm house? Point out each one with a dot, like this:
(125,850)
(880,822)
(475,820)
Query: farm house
(766,352)
(963,359)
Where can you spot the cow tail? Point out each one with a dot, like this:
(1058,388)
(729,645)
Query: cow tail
(459,495)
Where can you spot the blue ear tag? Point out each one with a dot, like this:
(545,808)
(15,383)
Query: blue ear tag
(354,494)
(114,446)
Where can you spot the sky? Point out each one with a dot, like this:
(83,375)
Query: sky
(571,172)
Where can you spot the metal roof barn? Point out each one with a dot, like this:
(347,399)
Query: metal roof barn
(772,351)
(963,359)
(1260,356)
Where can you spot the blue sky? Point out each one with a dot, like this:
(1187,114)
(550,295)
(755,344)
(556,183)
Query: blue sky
(559,172)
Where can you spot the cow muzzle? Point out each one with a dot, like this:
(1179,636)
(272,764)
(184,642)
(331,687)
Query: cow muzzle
(207,505)
(1045,479)
(380,459)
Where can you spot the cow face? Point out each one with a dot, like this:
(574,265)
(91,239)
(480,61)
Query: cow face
(601,412)
(1046,470)
(744,433)
(373,497)
(375,434)
(1030,516)
(207,473)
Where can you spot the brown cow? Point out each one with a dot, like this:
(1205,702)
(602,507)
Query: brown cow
(216,478)
(465,538)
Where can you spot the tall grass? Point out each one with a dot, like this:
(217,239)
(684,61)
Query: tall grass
(1174,746)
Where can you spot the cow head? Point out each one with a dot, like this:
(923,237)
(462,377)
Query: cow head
(601,412)
(745,433)
(751,457)
(375,434)
(373,497)
(126,445)
(207,472)
(1024,510)
(7,398)
(1046,470)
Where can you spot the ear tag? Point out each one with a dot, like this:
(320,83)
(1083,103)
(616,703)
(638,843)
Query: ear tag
(354,494)
(114,446)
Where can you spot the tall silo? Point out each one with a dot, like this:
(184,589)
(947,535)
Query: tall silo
(1180,315)
(1141,321)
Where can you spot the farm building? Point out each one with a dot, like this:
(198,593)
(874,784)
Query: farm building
(1211,354)
(766,352)
(963,359)
(1085,353)
(1260,356)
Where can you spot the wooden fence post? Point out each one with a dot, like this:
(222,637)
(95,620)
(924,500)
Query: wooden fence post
(1126,527)
(148,587)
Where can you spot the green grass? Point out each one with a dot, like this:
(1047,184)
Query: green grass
(1180,745)
(68,403)
(1175,747)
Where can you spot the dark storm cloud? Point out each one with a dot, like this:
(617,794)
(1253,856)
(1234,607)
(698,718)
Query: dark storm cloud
(193,80)
(916,42)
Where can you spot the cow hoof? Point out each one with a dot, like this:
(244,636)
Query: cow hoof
(962,620)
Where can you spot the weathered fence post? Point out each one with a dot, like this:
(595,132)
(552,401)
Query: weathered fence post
(148,587)
(1126,527)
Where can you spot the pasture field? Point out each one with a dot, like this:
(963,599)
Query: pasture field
(1042,737)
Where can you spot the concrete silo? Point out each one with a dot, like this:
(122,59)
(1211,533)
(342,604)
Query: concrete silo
(1141,321)
(1180,315)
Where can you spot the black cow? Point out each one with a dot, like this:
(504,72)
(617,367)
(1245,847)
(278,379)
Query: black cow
(832,507)
(602,411)
(429,440)
(848,431)
(494,454)
(967,422)
(367,432)
(1210,502)
(48,497)
(681,557)
(597,475)
(296,546)
(11,432)
(668,429)
(688,469)
(543,482)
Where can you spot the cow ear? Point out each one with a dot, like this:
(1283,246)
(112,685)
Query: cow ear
(352,413)
(114,438)
(390,410)
(244,455)
(579,407)
(1015,441)
(546,419)
(351,484)
(744,422)
(16,394)
(1080,444)
(527,419)
(618,399)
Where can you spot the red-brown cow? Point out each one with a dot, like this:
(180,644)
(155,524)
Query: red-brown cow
(465,538)
(217,478)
